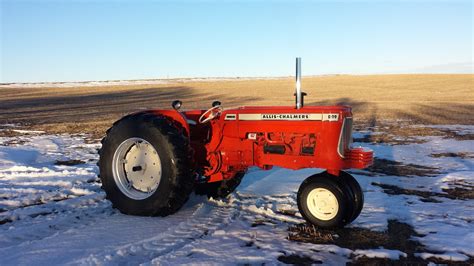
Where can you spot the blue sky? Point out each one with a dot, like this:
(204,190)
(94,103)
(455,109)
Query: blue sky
(103,40)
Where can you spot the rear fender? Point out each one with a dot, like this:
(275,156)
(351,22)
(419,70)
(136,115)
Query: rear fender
(173,115)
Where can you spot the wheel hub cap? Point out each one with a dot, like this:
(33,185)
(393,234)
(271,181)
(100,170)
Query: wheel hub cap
(137,168)
(322,204)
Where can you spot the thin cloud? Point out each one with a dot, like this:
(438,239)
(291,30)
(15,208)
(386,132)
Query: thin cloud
(454,68)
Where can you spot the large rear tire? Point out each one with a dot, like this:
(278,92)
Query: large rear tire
(145,165)
(220,189)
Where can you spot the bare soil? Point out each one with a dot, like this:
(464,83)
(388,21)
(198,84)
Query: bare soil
(389,167)
(428,196)
(298,260)
(398,236)
(417,99)
(404,133)
(462,155)
(69,162)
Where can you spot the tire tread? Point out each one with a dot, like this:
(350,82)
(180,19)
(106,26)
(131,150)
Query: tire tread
(183,183)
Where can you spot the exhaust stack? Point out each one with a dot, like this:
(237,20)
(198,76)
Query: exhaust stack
(299,94)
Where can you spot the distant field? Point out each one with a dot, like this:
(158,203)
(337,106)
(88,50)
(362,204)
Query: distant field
(430,99)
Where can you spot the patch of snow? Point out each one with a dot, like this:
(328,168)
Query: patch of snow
(379,253)
(446,256)
(57,214)
(8,126)
(419,153)
(460,129)
(83,84)
(445,226)
(275,181)
(128,82)
(28,131)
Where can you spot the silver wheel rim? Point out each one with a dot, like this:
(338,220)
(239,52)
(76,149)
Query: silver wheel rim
(322,204)
(136,168)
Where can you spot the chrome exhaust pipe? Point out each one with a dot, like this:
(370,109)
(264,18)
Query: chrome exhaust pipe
(299,94)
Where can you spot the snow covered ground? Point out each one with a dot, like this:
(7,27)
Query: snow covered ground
(52,210)
(71,84)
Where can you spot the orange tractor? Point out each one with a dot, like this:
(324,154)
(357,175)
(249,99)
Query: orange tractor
(151,161)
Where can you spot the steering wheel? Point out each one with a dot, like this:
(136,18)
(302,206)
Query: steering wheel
(210,114)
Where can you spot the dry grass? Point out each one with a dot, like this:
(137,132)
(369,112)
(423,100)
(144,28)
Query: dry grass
(431,99)
(398,236)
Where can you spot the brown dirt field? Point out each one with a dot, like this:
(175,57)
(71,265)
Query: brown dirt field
(425,99)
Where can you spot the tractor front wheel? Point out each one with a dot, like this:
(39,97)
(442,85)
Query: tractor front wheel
(326,202)
(357,192)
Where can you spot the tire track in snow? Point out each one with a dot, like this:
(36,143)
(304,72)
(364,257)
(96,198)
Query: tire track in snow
(50,218)
(204,221)
(210,217)
(256,243)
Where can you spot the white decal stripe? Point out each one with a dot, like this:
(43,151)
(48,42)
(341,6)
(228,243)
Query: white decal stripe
(250,116)
(289,117)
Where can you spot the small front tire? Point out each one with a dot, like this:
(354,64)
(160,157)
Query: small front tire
(323,202)
(357,193)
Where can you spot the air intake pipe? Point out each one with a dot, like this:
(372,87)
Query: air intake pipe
(299,95)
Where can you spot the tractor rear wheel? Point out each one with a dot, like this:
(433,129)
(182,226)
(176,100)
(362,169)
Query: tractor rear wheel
(145,165)
(220,189)
(325,202)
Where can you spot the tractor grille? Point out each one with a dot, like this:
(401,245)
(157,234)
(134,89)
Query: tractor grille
(345,138)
